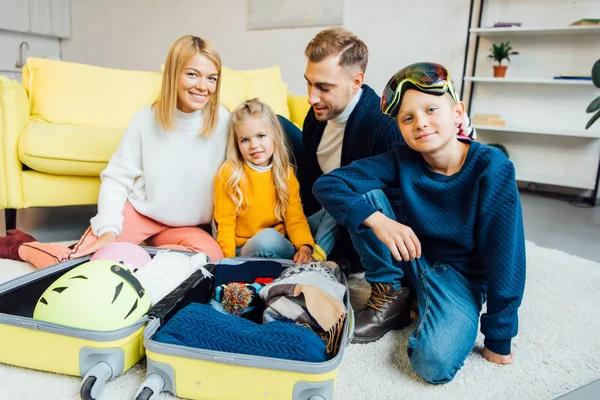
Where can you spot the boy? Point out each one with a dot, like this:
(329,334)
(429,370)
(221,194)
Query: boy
(456,237)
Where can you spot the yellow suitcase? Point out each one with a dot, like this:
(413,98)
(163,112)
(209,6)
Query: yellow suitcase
(193,373)
(26,342)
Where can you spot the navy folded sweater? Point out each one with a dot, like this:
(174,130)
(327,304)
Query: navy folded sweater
(200,326)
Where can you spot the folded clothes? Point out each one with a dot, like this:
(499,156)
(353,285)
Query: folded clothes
(246,272)
(313,273)
(167,270)
(312,295)
(311,307)
(200,326)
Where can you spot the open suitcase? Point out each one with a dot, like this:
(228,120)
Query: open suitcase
(94,355)
(194,373)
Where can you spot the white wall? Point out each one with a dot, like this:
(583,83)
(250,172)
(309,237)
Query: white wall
(136,34)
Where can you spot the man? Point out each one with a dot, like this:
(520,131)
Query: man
(344,124)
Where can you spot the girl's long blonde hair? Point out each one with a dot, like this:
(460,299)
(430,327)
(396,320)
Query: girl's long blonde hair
(254,108)
(180,53)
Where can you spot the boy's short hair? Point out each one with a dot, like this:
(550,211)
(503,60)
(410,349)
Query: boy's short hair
(353,52)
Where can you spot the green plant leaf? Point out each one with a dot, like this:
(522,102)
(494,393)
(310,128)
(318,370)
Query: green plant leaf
(596,74)
(501,51)
(592,120)
(594,105)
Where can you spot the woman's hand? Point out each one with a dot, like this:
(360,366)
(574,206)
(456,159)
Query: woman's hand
(497,358)
(104,240)
(401,240)
(304,254)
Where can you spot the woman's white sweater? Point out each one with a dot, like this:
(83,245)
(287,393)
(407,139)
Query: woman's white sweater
(166,176)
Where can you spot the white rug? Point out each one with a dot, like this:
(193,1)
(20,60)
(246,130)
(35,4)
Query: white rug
(556,351)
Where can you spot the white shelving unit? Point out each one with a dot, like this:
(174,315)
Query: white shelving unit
(545,118)
(536,131)
(542,30)
(575,82)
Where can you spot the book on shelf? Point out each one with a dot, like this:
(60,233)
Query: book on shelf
(586,21)
(488,119)
(574,77)
(507,24)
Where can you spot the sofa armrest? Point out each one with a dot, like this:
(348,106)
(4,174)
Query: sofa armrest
(298,106)
(14,116)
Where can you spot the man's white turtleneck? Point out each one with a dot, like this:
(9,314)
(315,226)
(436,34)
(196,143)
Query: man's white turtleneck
(166,176)
(329,152)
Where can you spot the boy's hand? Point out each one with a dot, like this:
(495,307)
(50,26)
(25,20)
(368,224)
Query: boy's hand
(497,358)
(304,254)
(401,239)
(104,240)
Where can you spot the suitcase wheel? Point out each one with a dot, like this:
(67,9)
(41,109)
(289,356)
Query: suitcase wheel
(94,381)
(154,383)
(86,388)
(145,394)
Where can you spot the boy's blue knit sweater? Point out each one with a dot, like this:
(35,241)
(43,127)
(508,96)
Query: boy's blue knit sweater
(471,220)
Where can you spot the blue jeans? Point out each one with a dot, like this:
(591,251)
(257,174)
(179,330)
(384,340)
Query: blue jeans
(268,243)
(449,304)
(323,228)
(375,256)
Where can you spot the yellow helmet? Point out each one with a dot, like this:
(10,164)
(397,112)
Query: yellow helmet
(97,295)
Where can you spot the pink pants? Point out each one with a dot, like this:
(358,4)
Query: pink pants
(137,228)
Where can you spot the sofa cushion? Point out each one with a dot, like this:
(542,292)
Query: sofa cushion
(77,94)
(47,190)
(235,87)
(14,115)
(68,149)
(268,86)
(299,107)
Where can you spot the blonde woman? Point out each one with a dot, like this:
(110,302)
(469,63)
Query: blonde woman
(258,210)
(158,185)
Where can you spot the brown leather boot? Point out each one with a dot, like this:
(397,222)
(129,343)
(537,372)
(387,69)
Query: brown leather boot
(385,310)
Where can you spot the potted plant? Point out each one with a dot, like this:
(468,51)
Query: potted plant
(498,53)
(595,104)
(501,147)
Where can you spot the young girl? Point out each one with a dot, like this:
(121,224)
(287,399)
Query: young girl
(257,195)
(158,186)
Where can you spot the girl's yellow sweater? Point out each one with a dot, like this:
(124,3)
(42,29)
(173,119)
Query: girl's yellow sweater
(259,192)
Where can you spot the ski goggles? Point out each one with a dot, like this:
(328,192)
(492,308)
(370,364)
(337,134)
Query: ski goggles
(427,77)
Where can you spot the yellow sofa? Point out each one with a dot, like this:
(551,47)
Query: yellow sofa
(59,128)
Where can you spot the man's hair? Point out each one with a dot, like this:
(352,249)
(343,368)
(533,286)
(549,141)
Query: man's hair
(353,52)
